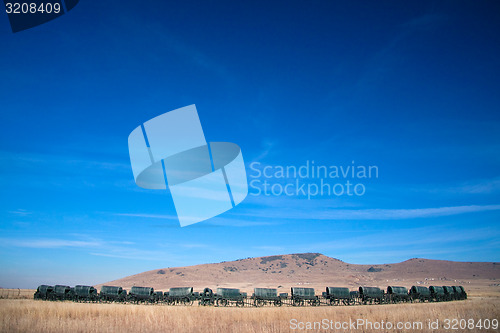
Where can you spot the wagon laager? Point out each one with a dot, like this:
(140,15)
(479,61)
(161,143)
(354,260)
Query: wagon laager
(421,293)
(301,296)
(397,294)
(338,295)
(371,295)
(263,296)
(44,292)
(85,294)
(228,296)
(113,294)
(182,295)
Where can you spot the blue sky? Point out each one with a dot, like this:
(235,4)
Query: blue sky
(409,87)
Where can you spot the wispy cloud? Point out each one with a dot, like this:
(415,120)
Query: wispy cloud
(267,146)
(370,214)
(49,243)
(270,248)
(407,238)
(486,186)
(234,221)
(108,248)
(131,253)
(403,244)
(425,21)
(54,160)
(20,212)
(193,245)
(152,216)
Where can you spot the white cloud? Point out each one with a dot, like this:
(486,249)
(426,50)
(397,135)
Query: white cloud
(153,216)
(21,212)
(370,214)
(48,243)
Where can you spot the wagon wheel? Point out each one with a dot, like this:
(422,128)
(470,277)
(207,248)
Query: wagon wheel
(315,302)
(222,302)
(187,301)
(258,303)
(278,303)
(240,303)
(297,302)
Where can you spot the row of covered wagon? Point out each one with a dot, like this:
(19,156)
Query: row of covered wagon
(260,296)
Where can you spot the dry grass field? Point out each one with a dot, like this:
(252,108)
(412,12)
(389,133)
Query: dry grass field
(17,293)
(19,315)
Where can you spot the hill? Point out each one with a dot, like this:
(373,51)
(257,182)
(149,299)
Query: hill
(317,270)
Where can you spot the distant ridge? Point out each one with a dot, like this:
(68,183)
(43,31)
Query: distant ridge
(315,270)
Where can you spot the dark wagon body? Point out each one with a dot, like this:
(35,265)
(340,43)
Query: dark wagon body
(437,293)
(263,296)
(44,292)
(62,293)
(449,293)
(141,294)
(302,296)
(397,294)
(159,296)
(207,297)
(460,293)
(229,296)
(371,295)
(338,295)
(180,295)
(420,293)
(85,294)
(113,294)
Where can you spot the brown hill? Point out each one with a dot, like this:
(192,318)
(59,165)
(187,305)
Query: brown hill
(318,271)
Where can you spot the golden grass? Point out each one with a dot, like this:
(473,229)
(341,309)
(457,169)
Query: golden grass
(17,293)
(44,316)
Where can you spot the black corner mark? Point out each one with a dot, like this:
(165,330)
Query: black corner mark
(70,4)
(26,14)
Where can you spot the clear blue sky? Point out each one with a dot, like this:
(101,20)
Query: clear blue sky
(410,87)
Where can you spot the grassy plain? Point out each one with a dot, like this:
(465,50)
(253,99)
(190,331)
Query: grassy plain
(22,315)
